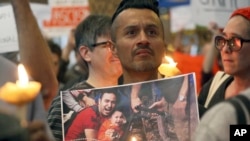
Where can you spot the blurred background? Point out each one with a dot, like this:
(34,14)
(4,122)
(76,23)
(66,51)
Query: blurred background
(189,25)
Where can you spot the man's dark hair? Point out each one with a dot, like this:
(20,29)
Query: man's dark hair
(139,4)
(136,4)
(107,90)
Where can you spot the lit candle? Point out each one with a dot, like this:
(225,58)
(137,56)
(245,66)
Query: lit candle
(23,92)
(20,93)
(133,139)
(169,69)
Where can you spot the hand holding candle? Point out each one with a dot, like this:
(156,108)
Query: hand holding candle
(22,92)
(169,69)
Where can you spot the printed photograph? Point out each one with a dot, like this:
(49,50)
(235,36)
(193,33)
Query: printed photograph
(159,110)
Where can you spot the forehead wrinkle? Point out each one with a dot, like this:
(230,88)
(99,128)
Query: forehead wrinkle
(150,18)
(231,34)
(137,26)
(240,24)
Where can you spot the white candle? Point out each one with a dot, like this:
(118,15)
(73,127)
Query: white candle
(21,92)
(133,139)
(169,69)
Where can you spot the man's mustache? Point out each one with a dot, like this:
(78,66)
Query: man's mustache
(143,47)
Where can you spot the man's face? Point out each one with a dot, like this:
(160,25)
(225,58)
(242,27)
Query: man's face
(107,103)
(139,40)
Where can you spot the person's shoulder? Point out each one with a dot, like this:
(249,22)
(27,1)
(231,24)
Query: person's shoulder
(224,109)
(81,85)
(215,123)
(56,101)
(73,83)
(219,111)
(88,112)
(55,106)
(215,116)
(246,93)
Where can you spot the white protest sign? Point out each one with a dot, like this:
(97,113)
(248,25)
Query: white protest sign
(8,36)
(181,18)
(65,15)
(219,11)
(41,12)
(202,12)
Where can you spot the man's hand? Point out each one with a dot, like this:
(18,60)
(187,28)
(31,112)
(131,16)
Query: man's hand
(69,47)
(135,102)
(159,105)
(71,40)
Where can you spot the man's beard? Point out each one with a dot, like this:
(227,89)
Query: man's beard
(144,66)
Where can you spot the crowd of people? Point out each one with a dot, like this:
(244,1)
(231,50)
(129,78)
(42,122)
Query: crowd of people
(123,49)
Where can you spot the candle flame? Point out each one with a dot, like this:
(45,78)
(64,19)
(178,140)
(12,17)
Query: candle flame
(22,75)
(133,139)
(170,61)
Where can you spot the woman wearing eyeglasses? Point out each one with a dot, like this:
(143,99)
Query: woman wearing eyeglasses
(234,47)
(232,86)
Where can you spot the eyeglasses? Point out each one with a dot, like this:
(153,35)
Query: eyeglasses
(234,44)
(106,43)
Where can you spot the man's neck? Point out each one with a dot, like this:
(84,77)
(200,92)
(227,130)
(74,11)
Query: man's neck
(139,77)
(101,82)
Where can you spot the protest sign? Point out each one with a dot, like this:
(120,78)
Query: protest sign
(206,11)
(168,111)
(8,36)
(65,15)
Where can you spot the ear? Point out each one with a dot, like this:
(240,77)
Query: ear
(84,52)
(114,49)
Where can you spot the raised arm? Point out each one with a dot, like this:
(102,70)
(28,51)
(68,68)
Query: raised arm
(211,54)
(65,59)
(135,100)
(34,51)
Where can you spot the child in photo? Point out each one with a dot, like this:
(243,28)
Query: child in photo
(112,128)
